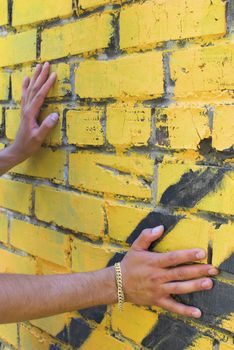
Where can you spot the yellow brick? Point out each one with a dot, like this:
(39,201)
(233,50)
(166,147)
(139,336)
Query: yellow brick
(48,268)
(228,323)
(223,243)
(223,128)
(62,86)
(84,127)
(223,346)
(15,195)
(84,4)
(123,219)
(9,333)
(134,323)
(34,339)
(14,263)
(221,199)
(71,210)
(138,75)
(45,163)
(13,120)
(100,340)
(89,257)
(188,233)
(203,72)
(203,343)
(161,20)
(34,11)
(4,85)
(1,120)
(4,12)
(85,35)
(3,227)
(175,120)
(112,174)
(39,241)
(128,126)
(18,48)
(52,325)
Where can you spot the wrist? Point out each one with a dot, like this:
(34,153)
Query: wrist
(111,289)
(14,155)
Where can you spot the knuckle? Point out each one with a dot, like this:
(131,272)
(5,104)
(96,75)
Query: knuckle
(39,96)
(36,138)
(180,274)
(34,89)
(145,232)
(26,112)
(156,278)
(145,235)
(176,288)
(173,258)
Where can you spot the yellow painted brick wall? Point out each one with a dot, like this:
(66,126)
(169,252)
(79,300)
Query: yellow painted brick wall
(145,137)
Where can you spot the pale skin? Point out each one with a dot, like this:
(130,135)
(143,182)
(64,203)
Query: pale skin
(149,278)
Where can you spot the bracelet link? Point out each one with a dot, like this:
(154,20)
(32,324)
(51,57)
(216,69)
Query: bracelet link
(119,284)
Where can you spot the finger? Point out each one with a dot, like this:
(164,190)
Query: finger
(46,126)
(146,237)
(41,79)
(34,78)
(190,272)
(181,309)
(188,286)
(25,86)
(38,100)
(178,257)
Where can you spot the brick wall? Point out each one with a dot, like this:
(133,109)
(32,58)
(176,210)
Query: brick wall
(145,97)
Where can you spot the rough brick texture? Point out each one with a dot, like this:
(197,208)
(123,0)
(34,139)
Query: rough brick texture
(144,91)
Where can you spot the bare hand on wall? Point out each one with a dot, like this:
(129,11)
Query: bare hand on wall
(151,278)
(30,135)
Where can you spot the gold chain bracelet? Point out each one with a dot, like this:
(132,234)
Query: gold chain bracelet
(119,284)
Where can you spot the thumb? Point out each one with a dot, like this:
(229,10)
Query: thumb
(47,124)
(147,236)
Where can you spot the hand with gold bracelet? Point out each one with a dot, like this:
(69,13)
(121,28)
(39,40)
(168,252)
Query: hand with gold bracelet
(143,277)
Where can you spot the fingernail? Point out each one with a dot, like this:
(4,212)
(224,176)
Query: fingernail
(201,254)
(157,229)
(46,64)
(196,313)
(213,271)
(54,117)
(206,284)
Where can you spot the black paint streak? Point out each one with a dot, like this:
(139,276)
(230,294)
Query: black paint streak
(170,334)
(79,331)
(192,187)
(228,264)
(116,258)
(154,219)
(63,335)
(95,313)
(55,347)
(215,304)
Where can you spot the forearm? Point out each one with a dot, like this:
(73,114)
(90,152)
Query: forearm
(26,297)
(8,159)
